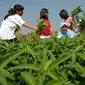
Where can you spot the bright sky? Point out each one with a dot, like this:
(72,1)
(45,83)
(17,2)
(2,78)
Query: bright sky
(33,7)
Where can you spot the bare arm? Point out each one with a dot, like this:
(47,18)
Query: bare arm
(53,33)
(29,26)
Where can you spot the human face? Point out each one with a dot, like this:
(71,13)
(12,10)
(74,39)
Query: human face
(20,12)
(64,30)
(46,14)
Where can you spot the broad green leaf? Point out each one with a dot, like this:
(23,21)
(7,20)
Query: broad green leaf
(25,66)
(3,80)
(10,58)
(45,65)
(70,83)
(53,75)
(78,48)
(82,55)
(51,55)
(73,57)
(6,73)
(56,82)
(41,78)
(28,78)
(58,61)
(12,83)
(80,69)
(31,51)
(15,62)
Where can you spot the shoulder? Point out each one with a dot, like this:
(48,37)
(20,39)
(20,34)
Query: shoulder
(70,18)
(47,21)
(16,15)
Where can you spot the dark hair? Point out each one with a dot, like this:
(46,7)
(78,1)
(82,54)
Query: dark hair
(43,13)
(64,26)
(18,7)
(63,14)
(14,9)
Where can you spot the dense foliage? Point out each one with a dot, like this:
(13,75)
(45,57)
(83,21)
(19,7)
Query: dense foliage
(78,16)
(77,11)
(32,61)
(43,62)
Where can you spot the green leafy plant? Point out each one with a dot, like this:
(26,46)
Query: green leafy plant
(76,11)
(41,25)
(43,62)
(78,18)
(81,23)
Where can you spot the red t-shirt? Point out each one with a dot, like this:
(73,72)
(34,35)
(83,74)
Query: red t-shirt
(46,31)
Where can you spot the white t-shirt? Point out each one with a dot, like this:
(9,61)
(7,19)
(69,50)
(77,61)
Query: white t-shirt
(9,25)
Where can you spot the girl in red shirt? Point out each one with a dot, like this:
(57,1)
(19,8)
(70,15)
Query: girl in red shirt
(46,32)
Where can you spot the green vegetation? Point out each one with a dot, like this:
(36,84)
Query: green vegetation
(78,16)
(41,25)
(43,62)
(77,11)
(52,61)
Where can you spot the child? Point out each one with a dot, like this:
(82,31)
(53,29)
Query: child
(68,19)
(65,32)
(46,32)
(11,21)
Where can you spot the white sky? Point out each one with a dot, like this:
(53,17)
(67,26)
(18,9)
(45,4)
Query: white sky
(33,7)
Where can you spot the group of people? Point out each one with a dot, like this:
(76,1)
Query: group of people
(14,19)
(67,29)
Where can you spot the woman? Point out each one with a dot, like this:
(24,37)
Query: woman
(65,32)
(11,21)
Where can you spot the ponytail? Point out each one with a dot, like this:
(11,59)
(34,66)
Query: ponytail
(10,12)
(14,9)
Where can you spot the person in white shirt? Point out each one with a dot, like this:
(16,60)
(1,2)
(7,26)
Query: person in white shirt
(11,21)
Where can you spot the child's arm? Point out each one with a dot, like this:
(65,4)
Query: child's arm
(29,26)
(70,23)
(53,33)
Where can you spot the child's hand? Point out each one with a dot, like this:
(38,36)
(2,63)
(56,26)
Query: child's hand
(53,34)
(34,28)
(68,25)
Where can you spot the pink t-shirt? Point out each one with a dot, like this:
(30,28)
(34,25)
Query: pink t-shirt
(69,20)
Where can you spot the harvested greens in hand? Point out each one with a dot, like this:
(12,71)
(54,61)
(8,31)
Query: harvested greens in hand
(41,25)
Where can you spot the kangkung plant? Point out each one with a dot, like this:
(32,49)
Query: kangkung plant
(78,16)
(43,62)
(49,61)
(81,23)
(76,11)
(41,25)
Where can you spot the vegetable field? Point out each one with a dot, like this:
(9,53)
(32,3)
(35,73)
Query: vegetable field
(43,62)
(32,61)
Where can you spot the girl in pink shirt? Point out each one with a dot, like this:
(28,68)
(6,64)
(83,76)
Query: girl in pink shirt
(68,20)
